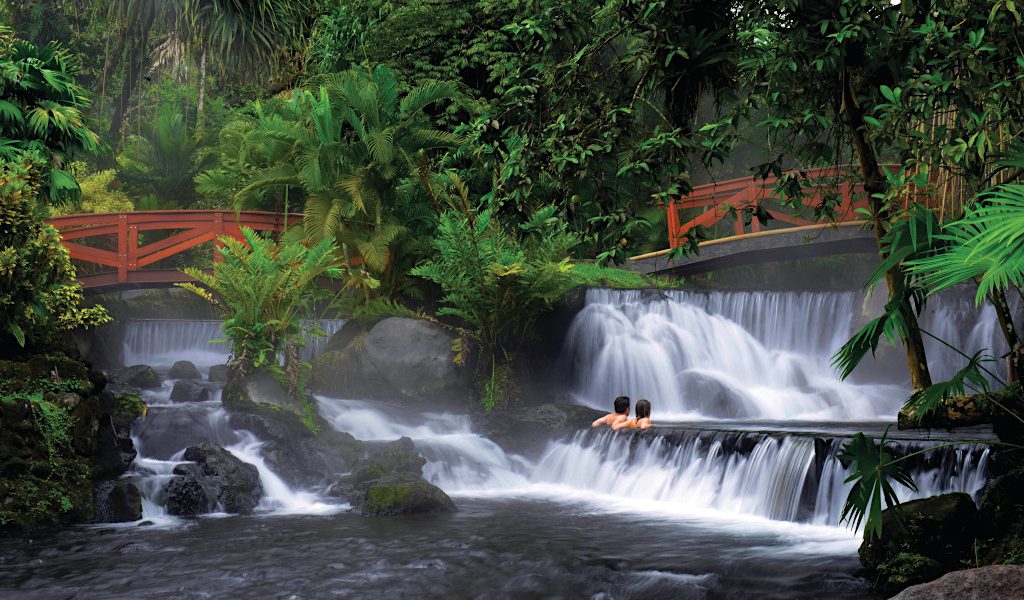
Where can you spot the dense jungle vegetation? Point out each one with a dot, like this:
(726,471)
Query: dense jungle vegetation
(488,156)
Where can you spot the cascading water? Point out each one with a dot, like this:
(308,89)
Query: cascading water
(169,427)
(783,477)
(736,355)
(458,460)
(160,342)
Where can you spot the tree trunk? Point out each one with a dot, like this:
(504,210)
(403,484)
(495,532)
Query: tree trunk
(137,61)
(202,92)
(874,183)
(1015,359)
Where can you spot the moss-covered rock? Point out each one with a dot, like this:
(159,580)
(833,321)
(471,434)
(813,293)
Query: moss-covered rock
(301,447)
(936,536)
(388,481)
(130,406)
(407,498)
(57,436)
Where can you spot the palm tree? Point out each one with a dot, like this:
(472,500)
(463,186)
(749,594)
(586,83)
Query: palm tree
(986,245)
(41,114)
(162,161)
(353,148)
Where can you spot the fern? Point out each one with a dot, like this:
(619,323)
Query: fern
(265,290)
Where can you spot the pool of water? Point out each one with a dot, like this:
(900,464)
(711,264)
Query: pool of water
(518,547)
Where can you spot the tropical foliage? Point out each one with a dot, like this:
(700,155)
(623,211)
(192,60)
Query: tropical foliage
(266,289)
(39,296)
(497,280)
(41,115)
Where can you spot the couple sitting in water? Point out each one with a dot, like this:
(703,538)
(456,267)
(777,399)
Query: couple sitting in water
(620,418)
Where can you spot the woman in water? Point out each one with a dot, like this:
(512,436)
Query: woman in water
(642,420)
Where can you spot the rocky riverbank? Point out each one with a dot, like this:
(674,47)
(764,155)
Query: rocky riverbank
(64,443)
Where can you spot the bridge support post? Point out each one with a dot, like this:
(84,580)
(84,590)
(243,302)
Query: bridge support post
(122,248)
(218,231)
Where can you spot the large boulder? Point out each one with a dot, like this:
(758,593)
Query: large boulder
(187,390)
(139,376)
(994,582)
(225,481)
(302,448)
(184,369)
(396,359)
(388,481)
(937,536)
(116,502)
(527,430)
(218,373)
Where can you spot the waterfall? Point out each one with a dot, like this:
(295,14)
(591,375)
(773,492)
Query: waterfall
(744,355)
(783,477)
(458,460)
(159,342)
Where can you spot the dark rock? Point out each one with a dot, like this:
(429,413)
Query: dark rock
(388,481)
(994,582)
(302,448)
(140,376)
(259,389)
(398,359)
(187,497)
(938,534)
(165,430)
(218,373)
(187,390)
(712,397)
(116,502)
(184,369)
(218,479)
(527,430)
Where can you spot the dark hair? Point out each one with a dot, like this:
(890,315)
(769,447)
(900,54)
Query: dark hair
(622,405)
(643,409)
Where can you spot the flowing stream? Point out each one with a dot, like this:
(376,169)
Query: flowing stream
(735,493)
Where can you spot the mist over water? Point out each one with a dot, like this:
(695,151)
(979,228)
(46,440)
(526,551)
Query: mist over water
(735,511)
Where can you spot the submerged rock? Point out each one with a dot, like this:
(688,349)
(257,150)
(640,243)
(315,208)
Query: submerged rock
(186,390)
(140,376)
(397,359)
(937,536)
(116,502)
(712,397)
(994,582)
(184,369)
(218,479)
(388,481)
(218,373)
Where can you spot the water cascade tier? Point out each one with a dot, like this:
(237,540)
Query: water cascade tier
(744,355)
(160,342)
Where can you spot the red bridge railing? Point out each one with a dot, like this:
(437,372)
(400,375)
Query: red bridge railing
(715,200)
(120,232)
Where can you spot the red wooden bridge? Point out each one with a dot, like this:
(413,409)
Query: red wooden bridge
(124,248)
(716,201)
(791,233)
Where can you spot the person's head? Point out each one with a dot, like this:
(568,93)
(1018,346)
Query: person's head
(643,409)
(622,405)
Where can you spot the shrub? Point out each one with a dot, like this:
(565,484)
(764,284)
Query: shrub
(38,292)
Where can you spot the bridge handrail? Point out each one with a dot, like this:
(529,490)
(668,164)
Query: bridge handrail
(193,227)
(742,192)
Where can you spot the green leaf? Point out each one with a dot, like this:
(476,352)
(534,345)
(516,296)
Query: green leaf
(873,470)
(18,333)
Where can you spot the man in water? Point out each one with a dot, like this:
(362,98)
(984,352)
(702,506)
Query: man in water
(621,413)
